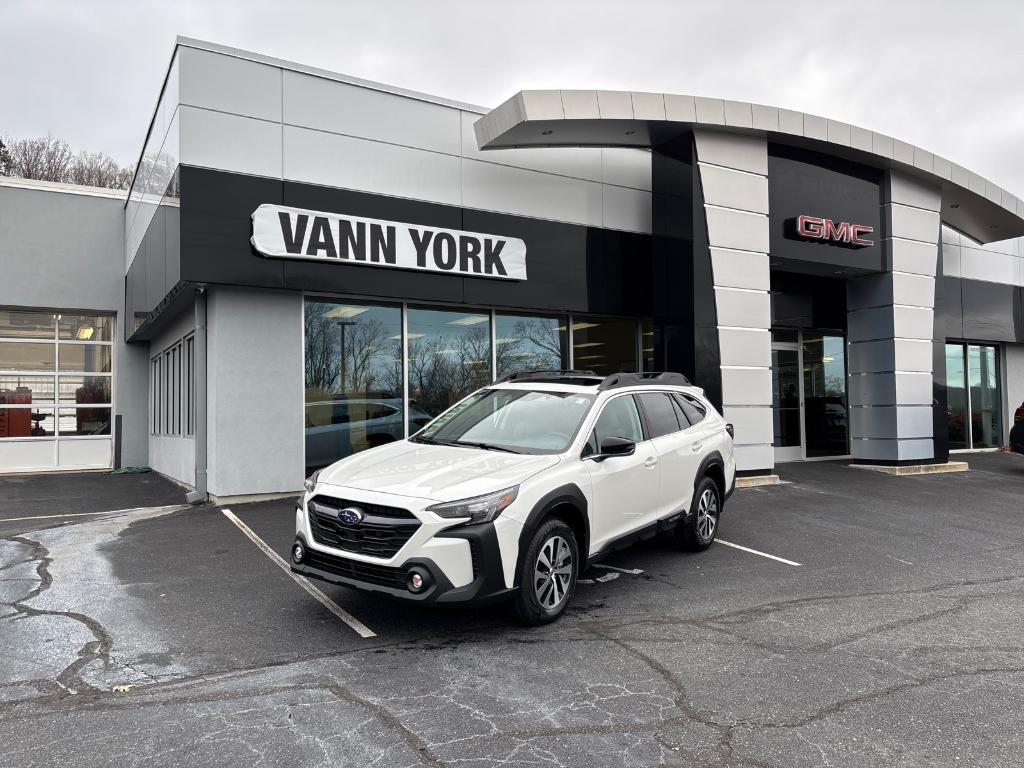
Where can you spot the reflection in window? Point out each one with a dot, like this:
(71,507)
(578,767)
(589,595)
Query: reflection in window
(92,358)
(353,378)
(604,345)
(84,421)
(647,345)
(26,422)
(85,327)
(25,389)
(449,357)
(825,406)
(85,389)
(527,343)
(15,356)
(26,324)
(986,397)
(956,397)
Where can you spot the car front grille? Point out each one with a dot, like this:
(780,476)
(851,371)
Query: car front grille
(381,533)
(352,569)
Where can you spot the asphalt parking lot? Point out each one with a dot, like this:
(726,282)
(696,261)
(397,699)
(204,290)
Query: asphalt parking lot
(885,629)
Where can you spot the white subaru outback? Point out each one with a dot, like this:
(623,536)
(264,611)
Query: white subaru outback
(511,492)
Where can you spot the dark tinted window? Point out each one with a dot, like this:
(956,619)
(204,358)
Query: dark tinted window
(661,416)
(684,420)
(694,410)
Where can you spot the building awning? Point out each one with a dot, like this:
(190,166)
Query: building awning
(970,203)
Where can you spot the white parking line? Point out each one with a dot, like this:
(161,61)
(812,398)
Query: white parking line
(756,552)
(81,514)
(630,571)
(361,629)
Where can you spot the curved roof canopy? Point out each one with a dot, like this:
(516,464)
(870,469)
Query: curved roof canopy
(970,203)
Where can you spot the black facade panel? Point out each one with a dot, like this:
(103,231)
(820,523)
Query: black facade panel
(991,311)
(808,301)
(940,400)
(950,312)
(154,250)
(570,267)
(216,224)
(807,183)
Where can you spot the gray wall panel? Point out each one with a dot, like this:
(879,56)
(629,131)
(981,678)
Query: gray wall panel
(229,84)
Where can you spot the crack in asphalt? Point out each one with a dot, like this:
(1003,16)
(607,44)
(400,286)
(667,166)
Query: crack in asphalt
(69,678)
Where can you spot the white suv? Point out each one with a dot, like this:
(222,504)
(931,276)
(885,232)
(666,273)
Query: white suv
(511,492)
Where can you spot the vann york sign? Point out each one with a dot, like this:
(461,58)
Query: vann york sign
(293,233)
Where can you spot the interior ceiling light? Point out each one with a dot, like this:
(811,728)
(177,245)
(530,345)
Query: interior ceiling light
(584,326)
(470,320)
(85,333)
(345,312)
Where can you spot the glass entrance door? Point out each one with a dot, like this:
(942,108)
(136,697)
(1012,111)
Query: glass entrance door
(787,402)
(809,401)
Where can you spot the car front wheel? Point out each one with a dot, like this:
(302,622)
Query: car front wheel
(698,530)
(547,576)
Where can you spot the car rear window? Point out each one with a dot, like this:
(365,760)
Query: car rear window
(661,416)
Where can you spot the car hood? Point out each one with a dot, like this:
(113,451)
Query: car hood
(433,472)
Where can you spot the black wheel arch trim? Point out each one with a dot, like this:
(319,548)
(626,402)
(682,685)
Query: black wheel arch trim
(566,494)
(713,459)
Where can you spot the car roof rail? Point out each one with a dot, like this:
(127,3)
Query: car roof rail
(583,377)
(617,380)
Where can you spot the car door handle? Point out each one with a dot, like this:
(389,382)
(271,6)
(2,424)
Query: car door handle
(651,462)
(696,446)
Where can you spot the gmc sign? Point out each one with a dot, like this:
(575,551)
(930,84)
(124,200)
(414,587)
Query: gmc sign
(817,228)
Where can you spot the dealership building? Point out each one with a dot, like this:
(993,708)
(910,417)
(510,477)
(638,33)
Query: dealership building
(309,265)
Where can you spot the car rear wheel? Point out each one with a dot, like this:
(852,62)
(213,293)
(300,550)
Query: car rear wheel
(699,528)
(547,576)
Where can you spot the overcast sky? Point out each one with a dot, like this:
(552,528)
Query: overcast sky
(946,76)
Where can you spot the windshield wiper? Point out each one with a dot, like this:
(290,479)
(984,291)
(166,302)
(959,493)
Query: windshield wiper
(485,446)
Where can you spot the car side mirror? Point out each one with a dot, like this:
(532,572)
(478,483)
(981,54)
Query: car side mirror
(616,446)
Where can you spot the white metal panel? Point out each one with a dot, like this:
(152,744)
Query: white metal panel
(91,453)
(328,105)
(733,150)
(229,142)
(978,264)
(740,269)
(734,189)
(27,455)
(626,209)
(737,229)
(626,167)
(749,347)
(504,189)
(229,84)
(316,157)
(743,309)
(746,386)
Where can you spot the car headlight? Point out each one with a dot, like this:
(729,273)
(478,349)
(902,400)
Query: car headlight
(479,509)
(310,482)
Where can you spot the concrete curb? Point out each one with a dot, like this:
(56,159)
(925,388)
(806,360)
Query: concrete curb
(756,481)
(916,469)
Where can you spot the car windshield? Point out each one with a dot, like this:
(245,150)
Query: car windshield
(513,420)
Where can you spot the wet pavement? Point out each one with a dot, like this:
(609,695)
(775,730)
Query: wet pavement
(164,636)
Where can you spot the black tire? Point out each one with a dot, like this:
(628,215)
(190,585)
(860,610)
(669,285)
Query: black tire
(527,605)
(698,530)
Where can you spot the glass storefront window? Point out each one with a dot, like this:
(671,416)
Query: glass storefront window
(85,389)
(26,356)
(85,327)
(449,357)
(973,396)
(530,343)
(604,345)
(956,397)
(91,358)
(647,346)
(26,422)
(26,324)
(84,421)
(986,397)
(825,407)
(25,390)
(353,378)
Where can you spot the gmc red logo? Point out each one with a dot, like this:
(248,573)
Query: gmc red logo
(817,228)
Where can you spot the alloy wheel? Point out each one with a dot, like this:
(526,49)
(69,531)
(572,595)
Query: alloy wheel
(552,572)
(707,514)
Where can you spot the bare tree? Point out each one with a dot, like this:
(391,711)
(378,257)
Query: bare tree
(50,159)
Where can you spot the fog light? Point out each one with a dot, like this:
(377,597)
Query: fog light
(298,552)
(416,582)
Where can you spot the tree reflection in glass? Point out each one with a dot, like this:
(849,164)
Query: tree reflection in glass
(353,377)
(449,357)
(527,343)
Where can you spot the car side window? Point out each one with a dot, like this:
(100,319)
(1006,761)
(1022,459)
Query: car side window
(694,409)
(684,420)
(660,413)
(619,418)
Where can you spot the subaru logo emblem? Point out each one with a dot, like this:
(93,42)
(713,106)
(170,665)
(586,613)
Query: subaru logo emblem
(350,515)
